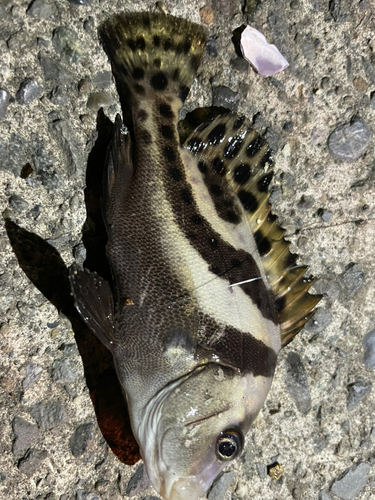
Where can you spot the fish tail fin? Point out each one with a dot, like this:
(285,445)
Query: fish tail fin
(152,53)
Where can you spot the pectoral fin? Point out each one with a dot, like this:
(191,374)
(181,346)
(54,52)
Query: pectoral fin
(94,301)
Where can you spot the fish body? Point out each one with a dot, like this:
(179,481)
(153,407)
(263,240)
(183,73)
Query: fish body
(193,322)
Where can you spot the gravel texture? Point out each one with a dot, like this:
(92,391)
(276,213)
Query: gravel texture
(316,429)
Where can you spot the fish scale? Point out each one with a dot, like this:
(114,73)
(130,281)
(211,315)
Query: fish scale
(205,288)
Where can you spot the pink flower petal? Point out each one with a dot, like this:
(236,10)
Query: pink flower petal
(263,56)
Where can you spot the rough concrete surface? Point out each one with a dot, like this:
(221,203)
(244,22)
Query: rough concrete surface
(54,77)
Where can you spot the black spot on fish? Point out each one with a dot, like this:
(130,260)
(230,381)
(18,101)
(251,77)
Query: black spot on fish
(197,219)
(232,147)
(186,196)
(176,75)
(166,131)
(169,154)
(187,44)
(139,89)
(168,44)
(202,167)
(159,81)
(184,92)
(194,62)
(242,173)
(264,246)
(235,263)
(156,41)
(280,303)
(142,115)
(166,110)
(267,158)
(145,137)
(216,134)
(216,190)
(232,217)
(140,43)
(157,63)
(238,123)
(195,145)
(175,173)
(218,166)
(248,201)
(131,44)
(254,146)
(264,182)
(138,73)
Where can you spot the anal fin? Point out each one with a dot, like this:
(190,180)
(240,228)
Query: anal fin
(94,302)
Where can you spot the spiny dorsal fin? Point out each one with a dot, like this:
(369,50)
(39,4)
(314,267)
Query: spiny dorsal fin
(153,52)
(231,147)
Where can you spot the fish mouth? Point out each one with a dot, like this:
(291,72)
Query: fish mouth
(184,489)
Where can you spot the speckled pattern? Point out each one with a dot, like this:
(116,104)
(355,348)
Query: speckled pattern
(44,147)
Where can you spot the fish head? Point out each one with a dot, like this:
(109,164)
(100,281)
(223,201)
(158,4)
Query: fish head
(197,427)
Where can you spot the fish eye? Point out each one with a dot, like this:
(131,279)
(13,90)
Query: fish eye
(229,444)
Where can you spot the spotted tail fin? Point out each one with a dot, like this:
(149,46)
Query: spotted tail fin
(153,52)
(236,164)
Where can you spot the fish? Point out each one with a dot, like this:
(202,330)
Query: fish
(205,290)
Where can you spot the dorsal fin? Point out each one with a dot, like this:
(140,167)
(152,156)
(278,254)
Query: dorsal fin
(230,146)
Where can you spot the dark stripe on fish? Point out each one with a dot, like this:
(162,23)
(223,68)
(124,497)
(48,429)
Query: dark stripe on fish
(228,263)
(239,350)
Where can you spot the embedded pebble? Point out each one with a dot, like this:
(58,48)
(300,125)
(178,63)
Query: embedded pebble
(41,9)
(319,321)
(372,101)
(53,70)
(221,486)
(348,142)
(138,482)
(305,202)
(327,287)
(225,97)
(86,495)
(5,99)
(325,215)
(32,462)
(211,47)
(68,349)
(67,43)
(48,414)
(25,434)
(353,278)
(58,96)
(33,374)
(324,495)
(17,203)
(78,442)
(28,91)
(80,2)
(103,79)
(369,350)
(63,371)
(369,69)
(349,484)
(261,470)
(357,392)
(99,100)
(296,382)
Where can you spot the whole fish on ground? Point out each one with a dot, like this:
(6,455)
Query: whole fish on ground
(206,291)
